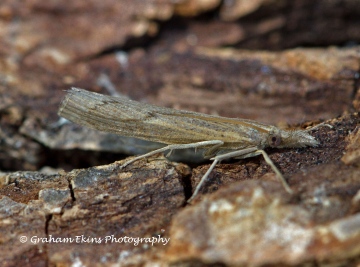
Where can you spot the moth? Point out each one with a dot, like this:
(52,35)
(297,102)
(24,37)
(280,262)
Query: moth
(220,137)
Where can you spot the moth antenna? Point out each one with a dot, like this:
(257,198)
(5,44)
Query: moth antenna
(323,124)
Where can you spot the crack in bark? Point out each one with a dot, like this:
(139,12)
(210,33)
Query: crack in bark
(356,82)
(72,193)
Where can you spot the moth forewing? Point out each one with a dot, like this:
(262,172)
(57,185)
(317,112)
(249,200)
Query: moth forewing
(149,122)
(180,129)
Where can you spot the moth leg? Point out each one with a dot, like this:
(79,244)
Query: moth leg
(173,147)
(243,153)
(211,151)
(247,153)
(216,160)
(169,153)
(273,167)
(203,180)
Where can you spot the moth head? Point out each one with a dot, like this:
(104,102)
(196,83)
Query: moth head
(283,138)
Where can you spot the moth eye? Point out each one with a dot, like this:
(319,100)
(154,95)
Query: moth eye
(274,140)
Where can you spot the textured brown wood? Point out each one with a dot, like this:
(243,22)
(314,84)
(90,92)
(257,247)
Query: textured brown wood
(288,63)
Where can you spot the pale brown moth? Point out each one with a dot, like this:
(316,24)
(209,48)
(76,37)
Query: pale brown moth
(222,138)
